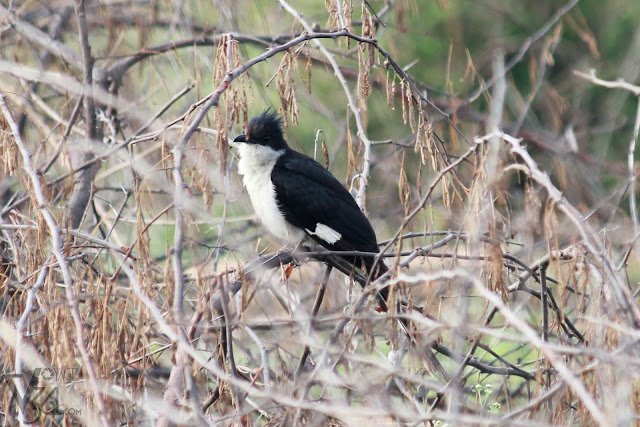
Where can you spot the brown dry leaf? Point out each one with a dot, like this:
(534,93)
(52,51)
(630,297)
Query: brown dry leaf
(550,44)
(169,281)
(390,88)
(11,159)
(497,276)
(142,237)
(446,195)
(352,164)
(365,61)
(401,15)
(404,190)
(332,9)
(233,102)
(308,68)
(582,29)
(532,206)
(287,87)
(325,153)
(404,98)
(410,102)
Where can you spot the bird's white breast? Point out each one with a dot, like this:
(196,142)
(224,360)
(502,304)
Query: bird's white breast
(255,166)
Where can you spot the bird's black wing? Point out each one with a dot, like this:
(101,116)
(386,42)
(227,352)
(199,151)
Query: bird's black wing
(309,195)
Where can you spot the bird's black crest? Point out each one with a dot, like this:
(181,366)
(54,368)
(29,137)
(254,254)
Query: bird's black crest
(266,129)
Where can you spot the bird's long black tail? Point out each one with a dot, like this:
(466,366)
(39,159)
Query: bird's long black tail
(383,294)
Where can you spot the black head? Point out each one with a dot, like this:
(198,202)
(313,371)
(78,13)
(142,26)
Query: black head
(264,129)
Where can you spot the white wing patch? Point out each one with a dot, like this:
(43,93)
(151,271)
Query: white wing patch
(326,233)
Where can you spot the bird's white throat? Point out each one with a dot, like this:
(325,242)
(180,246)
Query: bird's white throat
(256,158)
(255,166)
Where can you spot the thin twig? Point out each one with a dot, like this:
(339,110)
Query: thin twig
(56,248)
(314,312)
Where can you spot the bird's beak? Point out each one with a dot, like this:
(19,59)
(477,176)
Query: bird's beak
(236,142)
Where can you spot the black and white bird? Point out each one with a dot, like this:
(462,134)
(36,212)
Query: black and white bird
(296,198)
